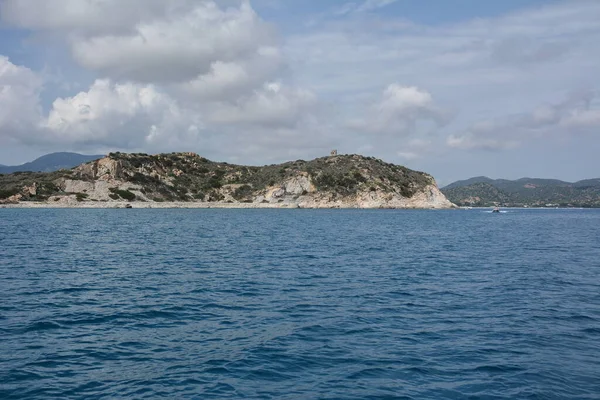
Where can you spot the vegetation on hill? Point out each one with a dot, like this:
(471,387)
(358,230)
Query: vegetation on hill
(186,176)
(46,183)
(189,177)
(531,192)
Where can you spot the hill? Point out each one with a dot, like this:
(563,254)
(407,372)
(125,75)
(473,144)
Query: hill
(50,162)
(336,181)
(471,181)
(530,192)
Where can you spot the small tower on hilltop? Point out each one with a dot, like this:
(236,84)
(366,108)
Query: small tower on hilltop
(333,152)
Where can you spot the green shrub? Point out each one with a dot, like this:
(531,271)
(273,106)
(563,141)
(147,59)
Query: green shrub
(242,192)
(359,177)
(214,183)
(124,194)
(215,196)
(47,188)
(144,179)
(406,191)
(5,194)
(81,196)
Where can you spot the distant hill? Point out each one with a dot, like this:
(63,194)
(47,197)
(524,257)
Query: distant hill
(534,192)
(471,181)
(51,162)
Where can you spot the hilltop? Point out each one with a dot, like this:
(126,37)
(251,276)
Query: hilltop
(50,162)
(345,181)
(530,192)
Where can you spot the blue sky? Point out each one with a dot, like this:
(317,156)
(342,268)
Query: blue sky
(455,88)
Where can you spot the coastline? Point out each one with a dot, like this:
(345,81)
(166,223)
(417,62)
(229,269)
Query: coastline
(183,204)
(237,205)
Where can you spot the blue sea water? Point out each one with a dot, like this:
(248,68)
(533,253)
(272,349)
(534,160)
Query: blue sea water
(299,304)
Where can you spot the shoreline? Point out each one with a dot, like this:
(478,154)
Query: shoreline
(225,205)
(194,205)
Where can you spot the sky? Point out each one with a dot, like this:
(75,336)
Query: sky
(460,88)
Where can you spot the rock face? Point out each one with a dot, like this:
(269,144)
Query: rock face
(430,197)
(337,181)
(104,169)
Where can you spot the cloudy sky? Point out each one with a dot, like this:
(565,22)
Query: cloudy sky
(456,88)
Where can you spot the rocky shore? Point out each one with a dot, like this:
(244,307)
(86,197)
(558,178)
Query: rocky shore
(193,204)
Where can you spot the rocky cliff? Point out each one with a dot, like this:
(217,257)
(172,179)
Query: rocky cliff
(338,181)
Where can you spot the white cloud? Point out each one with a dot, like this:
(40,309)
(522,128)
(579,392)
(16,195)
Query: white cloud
(470,141)
(152,41)
(398,112)
(118,115)
(108,115)
(524,50)
(228,80)
(133,116)
(89,18)
(274,105)
(223,79)
(19,99)
(510,131)
(136,116)
(407,155)
(369,5)
(180,72)
(179,48)
(362,7)
(582,119)
(85,17)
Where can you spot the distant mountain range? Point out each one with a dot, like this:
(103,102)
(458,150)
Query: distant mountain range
(482,191)
(51,162)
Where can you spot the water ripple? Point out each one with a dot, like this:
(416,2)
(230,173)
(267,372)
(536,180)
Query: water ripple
(303,304)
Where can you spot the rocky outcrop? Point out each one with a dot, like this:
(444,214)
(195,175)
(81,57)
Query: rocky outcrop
(31,190)
(300,192)
(101,190)
(14,199)
(103,169)
(430,198)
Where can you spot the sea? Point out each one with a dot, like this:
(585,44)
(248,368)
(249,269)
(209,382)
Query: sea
(299,304)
